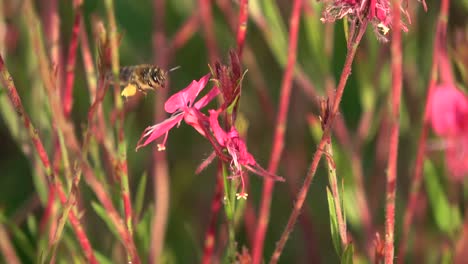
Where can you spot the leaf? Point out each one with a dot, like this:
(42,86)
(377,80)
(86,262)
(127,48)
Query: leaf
(314,32)
(143,237)
(335,234)
(140,194)
(19,237)
(101,212)
(276,38)
(32,224)
(101,258)
(348,254)
(447,216)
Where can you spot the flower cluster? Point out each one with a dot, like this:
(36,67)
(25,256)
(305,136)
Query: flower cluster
(378,12)
(181,106)
(228,145)
(449,120)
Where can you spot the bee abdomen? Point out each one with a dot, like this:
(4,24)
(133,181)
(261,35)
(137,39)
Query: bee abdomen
(125,73)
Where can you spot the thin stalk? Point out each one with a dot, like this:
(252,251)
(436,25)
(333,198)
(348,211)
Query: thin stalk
(71,61)
(184,33)
(416,181)
(394,133)
(206,18)
(229,208)
(278,138)
(8,83)
(242,25)
(255,74)
(6,247)
(51,20)
(335,193)
(161,182)
(301,196)
(210,234)
(72,141)
(121,168)
(88,63)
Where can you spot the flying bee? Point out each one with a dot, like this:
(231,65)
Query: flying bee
(140,78)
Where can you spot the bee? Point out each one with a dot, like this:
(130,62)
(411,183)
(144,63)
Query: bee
(140,78)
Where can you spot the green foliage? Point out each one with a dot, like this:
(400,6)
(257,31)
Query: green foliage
(335,233)
(348,254)
(24,185)
(140,194)
(447,215)
(101,212)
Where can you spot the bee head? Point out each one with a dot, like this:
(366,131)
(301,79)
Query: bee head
(157,77)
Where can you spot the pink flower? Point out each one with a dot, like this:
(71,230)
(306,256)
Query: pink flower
(449,110)
(449,119)
(237,150)
(182,106)
(378,12)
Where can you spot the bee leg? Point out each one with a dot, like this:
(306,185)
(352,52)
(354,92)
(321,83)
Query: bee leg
(141,90)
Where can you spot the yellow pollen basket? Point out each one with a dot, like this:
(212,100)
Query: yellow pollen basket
(383,28)
(129,90)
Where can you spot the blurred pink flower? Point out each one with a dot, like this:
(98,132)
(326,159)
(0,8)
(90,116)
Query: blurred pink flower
(237,150)
(449,119)
(182,106)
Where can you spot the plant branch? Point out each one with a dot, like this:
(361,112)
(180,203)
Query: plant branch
(54,182)
(301,196)
(206,18)
(416,179)
(242,25)
(120,167)
(71,61)
(394,133)
(161,168)
(278,138)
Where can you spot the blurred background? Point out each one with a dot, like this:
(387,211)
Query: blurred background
(360,140)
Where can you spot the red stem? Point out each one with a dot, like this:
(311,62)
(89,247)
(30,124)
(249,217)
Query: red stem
(8,83)
(72,142)
(278,139)
(210,235)
(394,133)
(71,61)
(48,210)
(51,23)
(51,20)
(184,33)
(114,215)
(207,22)
(249,59)
(161,168)
(7,248)
(418,167)
(120,166)
(301,196)
(79,231)
(242,26)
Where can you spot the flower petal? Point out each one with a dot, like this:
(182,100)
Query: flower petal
(448,110)
(186,96)
(154,132)
(180,99)
(207,98)
(196,119)
(244,157)
(219,133)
